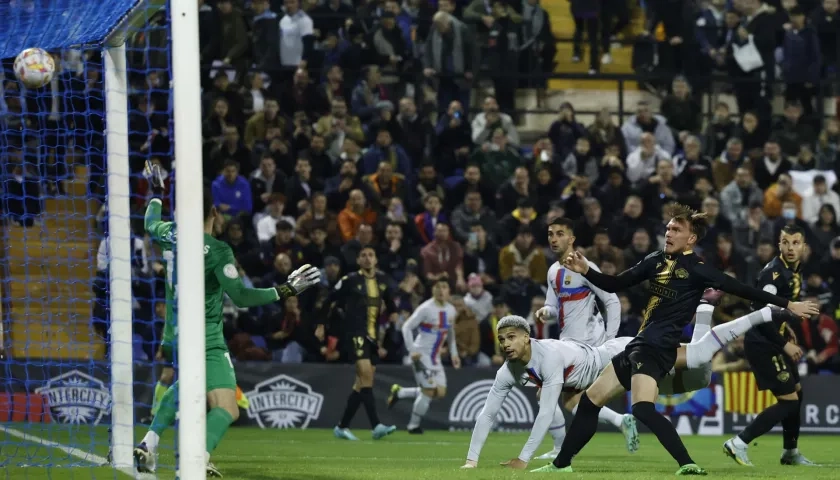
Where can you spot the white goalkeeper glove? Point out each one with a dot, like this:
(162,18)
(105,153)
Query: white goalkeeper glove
(303,278)
(545,314)
(154,174)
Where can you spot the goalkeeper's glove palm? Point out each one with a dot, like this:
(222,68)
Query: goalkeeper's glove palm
(154,174)
(301,279)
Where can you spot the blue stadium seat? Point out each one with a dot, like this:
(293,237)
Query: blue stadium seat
(259,341)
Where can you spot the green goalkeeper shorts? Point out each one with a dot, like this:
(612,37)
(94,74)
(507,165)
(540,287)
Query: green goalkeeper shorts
(220,372)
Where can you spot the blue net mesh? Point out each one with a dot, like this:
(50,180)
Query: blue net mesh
(55,406)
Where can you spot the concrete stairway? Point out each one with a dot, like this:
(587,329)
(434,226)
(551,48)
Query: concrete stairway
(51,272)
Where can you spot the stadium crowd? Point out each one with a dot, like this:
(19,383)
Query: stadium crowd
(328,127)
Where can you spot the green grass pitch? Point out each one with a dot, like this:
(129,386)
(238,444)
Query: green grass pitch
(253,454)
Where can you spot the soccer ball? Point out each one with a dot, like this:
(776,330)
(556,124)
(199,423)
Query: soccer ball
(34,67)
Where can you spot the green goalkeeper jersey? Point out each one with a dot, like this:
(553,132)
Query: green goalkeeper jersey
(220,276)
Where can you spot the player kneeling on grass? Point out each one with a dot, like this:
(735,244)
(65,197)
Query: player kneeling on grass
(433,318)
(221,277)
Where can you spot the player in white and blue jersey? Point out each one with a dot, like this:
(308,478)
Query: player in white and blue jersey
(434,321)
(570,300)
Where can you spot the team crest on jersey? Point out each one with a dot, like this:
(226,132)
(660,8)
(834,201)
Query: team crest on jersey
(775,275)
(783,376)
(682,273)
(76,398)
(568,281)
(382,287)
(284,402)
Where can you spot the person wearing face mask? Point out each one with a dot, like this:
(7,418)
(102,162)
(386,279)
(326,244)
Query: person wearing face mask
(790,216)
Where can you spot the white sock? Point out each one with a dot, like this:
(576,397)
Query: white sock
(557,429)
(739,443)
(608,415)
(408,392)
(206,457)
(701,351)
(702,321)
(421,406)
(151,440)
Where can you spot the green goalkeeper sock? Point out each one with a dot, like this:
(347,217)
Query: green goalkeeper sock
(218,421)
(167,409)
(160,390)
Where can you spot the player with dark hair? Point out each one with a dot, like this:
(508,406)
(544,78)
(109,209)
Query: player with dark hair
(221,277)
(677,279)
(360,297)
(773,358)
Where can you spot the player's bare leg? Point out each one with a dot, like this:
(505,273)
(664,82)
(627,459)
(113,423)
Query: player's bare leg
(585,422)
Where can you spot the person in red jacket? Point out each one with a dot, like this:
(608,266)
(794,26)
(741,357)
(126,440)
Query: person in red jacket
(820,343)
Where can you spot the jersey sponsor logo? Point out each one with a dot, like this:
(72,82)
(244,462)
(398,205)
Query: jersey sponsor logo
(516,411)
(681,273)
(661,291)
(76,398)
(284,402)
(230,271)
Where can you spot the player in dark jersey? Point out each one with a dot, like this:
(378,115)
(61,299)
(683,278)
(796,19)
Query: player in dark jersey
(773,358)
(361,297)
(677,278)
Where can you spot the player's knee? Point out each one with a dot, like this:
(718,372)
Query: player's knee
(643,410)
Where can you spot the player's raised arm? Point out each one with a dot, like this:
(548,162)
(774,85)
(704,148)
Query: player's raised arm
(611,304)
(158,230)
(717,279)
(484,423)
(634,275)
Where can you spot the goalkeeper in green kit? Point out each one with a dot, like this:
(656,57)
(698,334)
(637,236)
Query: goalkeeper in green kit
(220,277)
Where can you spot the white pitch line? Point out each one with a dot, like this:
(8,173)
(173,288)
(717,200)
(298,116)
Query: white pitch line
(93,458)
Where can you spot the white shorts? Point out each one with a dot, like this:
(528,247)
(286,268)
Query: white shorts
(429,376)
(611,348)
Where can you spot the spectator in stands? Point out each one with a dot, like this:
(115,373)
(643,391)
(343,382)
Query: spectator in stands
(623,227)
(806,160)
(819,341)
(767,170)
(491,353)
(208,28)
(259,123)
(481,255)
(817,196)
(680,108)
(454,139)
(467,333)
(369,95)
(385,185)
(690,165)
(392,44)
(751,229)
(523,251)
(760,256)
(426,222)
(739,196)
(240,242)
(297,39)
(266,223)
(338,188)
(642,161)
(753,133)
(616,188)
(232,192)
(489,120)
(497,158)
(604,132)
(395,251)
(318,249)
(519,289)
(356,213)
(792,131)
(23,190)
(330,17)
(449,59)
(801,61)
(790,212)
(825,229)
(443,257)
(319,159)
(640,247)
(233,149)
(582,162)
(479,300)
(386,150)
(338,125)
(301,185)
(723,167)
(317,215)
(301,95)
(630,322)
(234,41)
(585,14)
(719,131)
(779,193)
(826,22)
(659,189)
(396,214)
(725,257)
(265,37)
(471,211)
(524,215)
(565,131)
(265,181)
(413,132)
(592,221)
(471,181)
(752,84)
(643,122)
(603,251)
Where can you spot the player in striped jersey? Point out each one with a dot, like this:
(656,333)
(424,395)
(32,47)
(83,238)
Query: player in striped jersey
(570,300)
(433,319)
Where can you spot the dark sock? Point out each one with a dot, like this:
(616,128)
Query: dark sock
(353,402)
(664,430)
(370,406)
(768,419)
(582,429)
(790,426)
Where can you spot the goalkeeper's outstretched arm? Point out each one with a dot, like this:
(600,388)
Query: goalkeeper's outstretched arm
(159,231)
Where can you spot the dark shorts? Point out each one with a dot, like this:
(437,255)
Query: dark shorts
(362,348)
(640,358)
(773,368)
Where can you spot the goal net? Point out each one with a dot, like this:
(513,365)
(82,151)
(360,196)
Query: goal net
(80,289)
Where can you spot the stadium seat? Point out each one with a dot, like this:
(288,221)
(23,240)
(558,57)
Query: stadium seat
(259,341)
